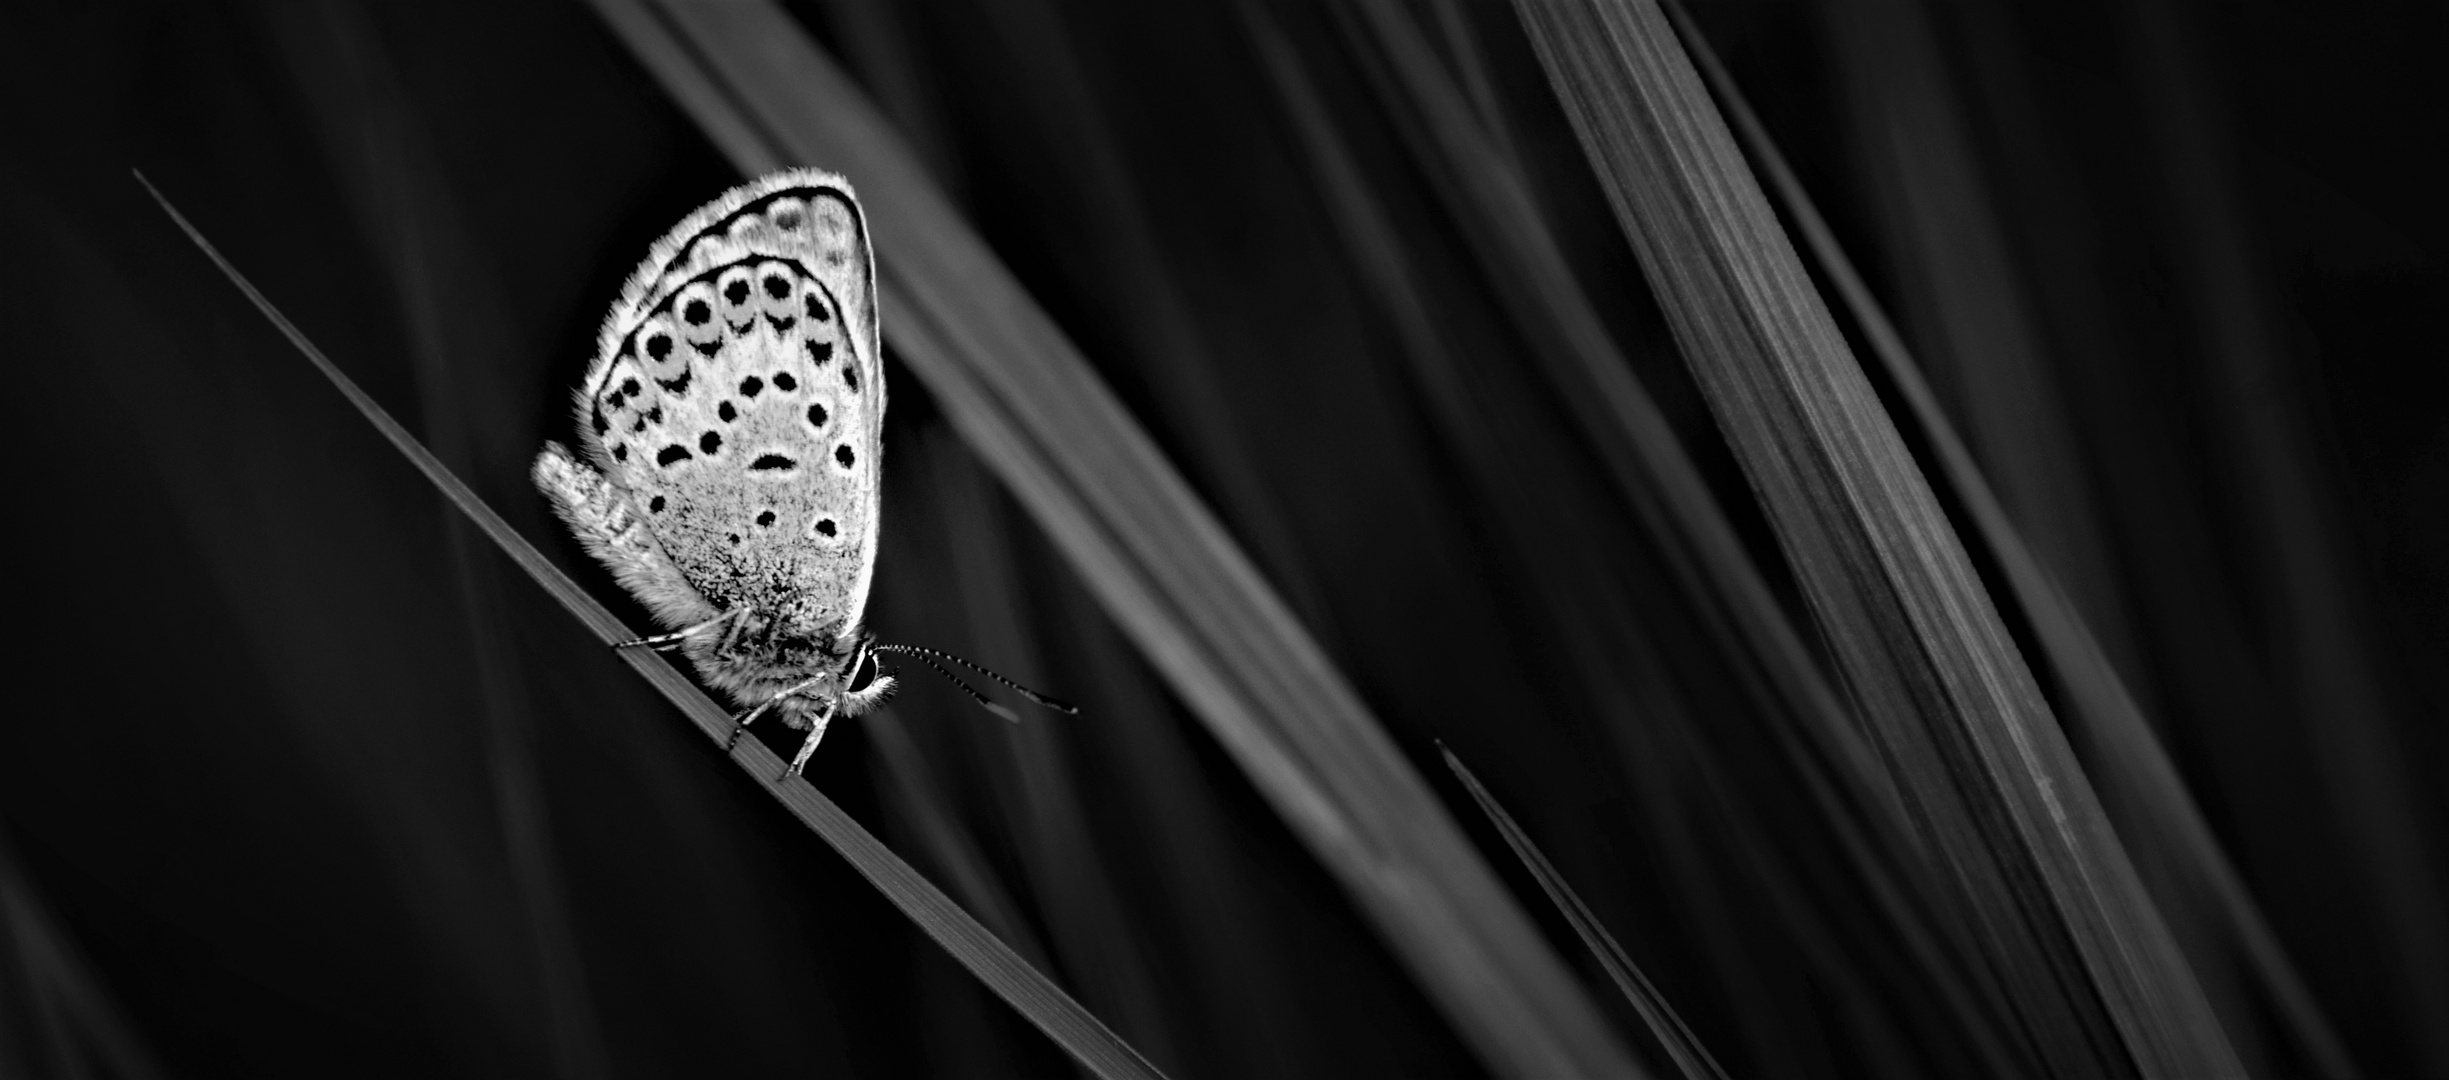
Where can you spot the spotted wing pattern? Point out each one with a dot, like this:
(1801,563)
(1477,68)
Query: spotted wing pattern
(737,398)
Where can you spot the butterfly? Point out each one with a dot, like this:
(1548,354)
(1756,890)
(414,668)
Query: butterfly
(730,435)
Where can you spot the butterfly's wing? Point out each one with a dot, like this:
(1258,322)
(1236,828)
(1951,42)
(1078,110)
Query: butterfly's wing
(737,396)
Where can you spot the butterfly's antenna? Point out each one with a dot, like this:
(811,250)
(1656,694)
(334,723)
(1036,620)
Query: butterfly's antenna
(930,656)
(974,695)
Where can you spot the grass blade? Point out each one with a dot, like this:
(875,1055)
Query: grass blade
(56,1016)
(2094,974)
(994,963)
(2140,785)
(1678,1040)
(1166,570)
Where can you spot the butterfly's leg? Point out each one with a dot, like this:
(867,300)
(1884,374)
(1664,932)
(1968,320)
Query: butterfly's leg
(742,724)
(807,749)
(662,642)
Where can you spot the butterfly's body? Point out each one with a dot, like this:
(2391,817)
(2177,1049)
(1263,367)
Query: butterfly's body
(729,429)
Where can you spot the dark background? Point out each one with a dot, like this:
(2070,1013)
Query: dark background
(303,779)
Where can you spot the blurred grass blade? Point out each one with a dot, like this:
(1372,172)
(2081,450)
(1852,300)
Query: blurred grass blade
(2140,787)
(2098,984)
(1679,1042)
(1166,570)
(57,1018)
(993,962)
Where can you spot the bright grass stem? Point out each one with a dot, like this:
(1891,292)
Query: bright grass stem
(1681,1046)
(1988,776)
(2140,785)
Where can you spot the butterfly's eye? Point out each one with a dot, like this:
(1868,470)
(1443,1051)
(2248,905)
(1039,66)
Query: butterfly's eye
(864,674)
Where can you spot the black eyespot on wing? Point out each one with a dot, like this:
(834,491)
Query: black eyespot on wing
(710,442)
(741,329)
(766,518)
(782,325)
(826,526)
(620,452)
(784,382)
(850,377)
(707,349)
(725,411)
(736,292)
(770,462)
(816,307)
(820,351)
(697,312)
(735,538)
(655,415)
(659,346)
(638,426)
(678,384)
(750,385)
(613,400)
(655,505)
(630,387)
(842,454)
(816,416)
(672,453)
(776,287)
(789,221)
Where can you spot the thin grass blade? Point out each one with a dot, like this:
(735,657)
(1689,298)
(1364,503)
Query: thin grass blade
(57,1018)
(2140,785)
(1162,565)
(2097,981)
(1029,992)
(1680,1044)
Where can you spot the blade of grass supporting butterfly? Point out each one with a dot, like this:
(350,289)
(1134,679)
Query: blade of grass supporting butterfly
(2141,788)
(2095,977)
(994,963)
(1165,569)
(1679,1042)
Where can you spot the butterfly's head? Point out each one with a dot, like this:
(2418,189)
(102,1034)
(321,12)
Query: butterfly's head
(864,685)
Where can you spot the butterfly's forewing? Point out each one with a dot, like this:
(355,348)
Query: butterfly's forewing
(737,395)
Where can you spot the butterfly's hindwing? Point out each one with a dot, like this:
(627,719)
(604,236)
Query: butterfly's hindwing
(738,397)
